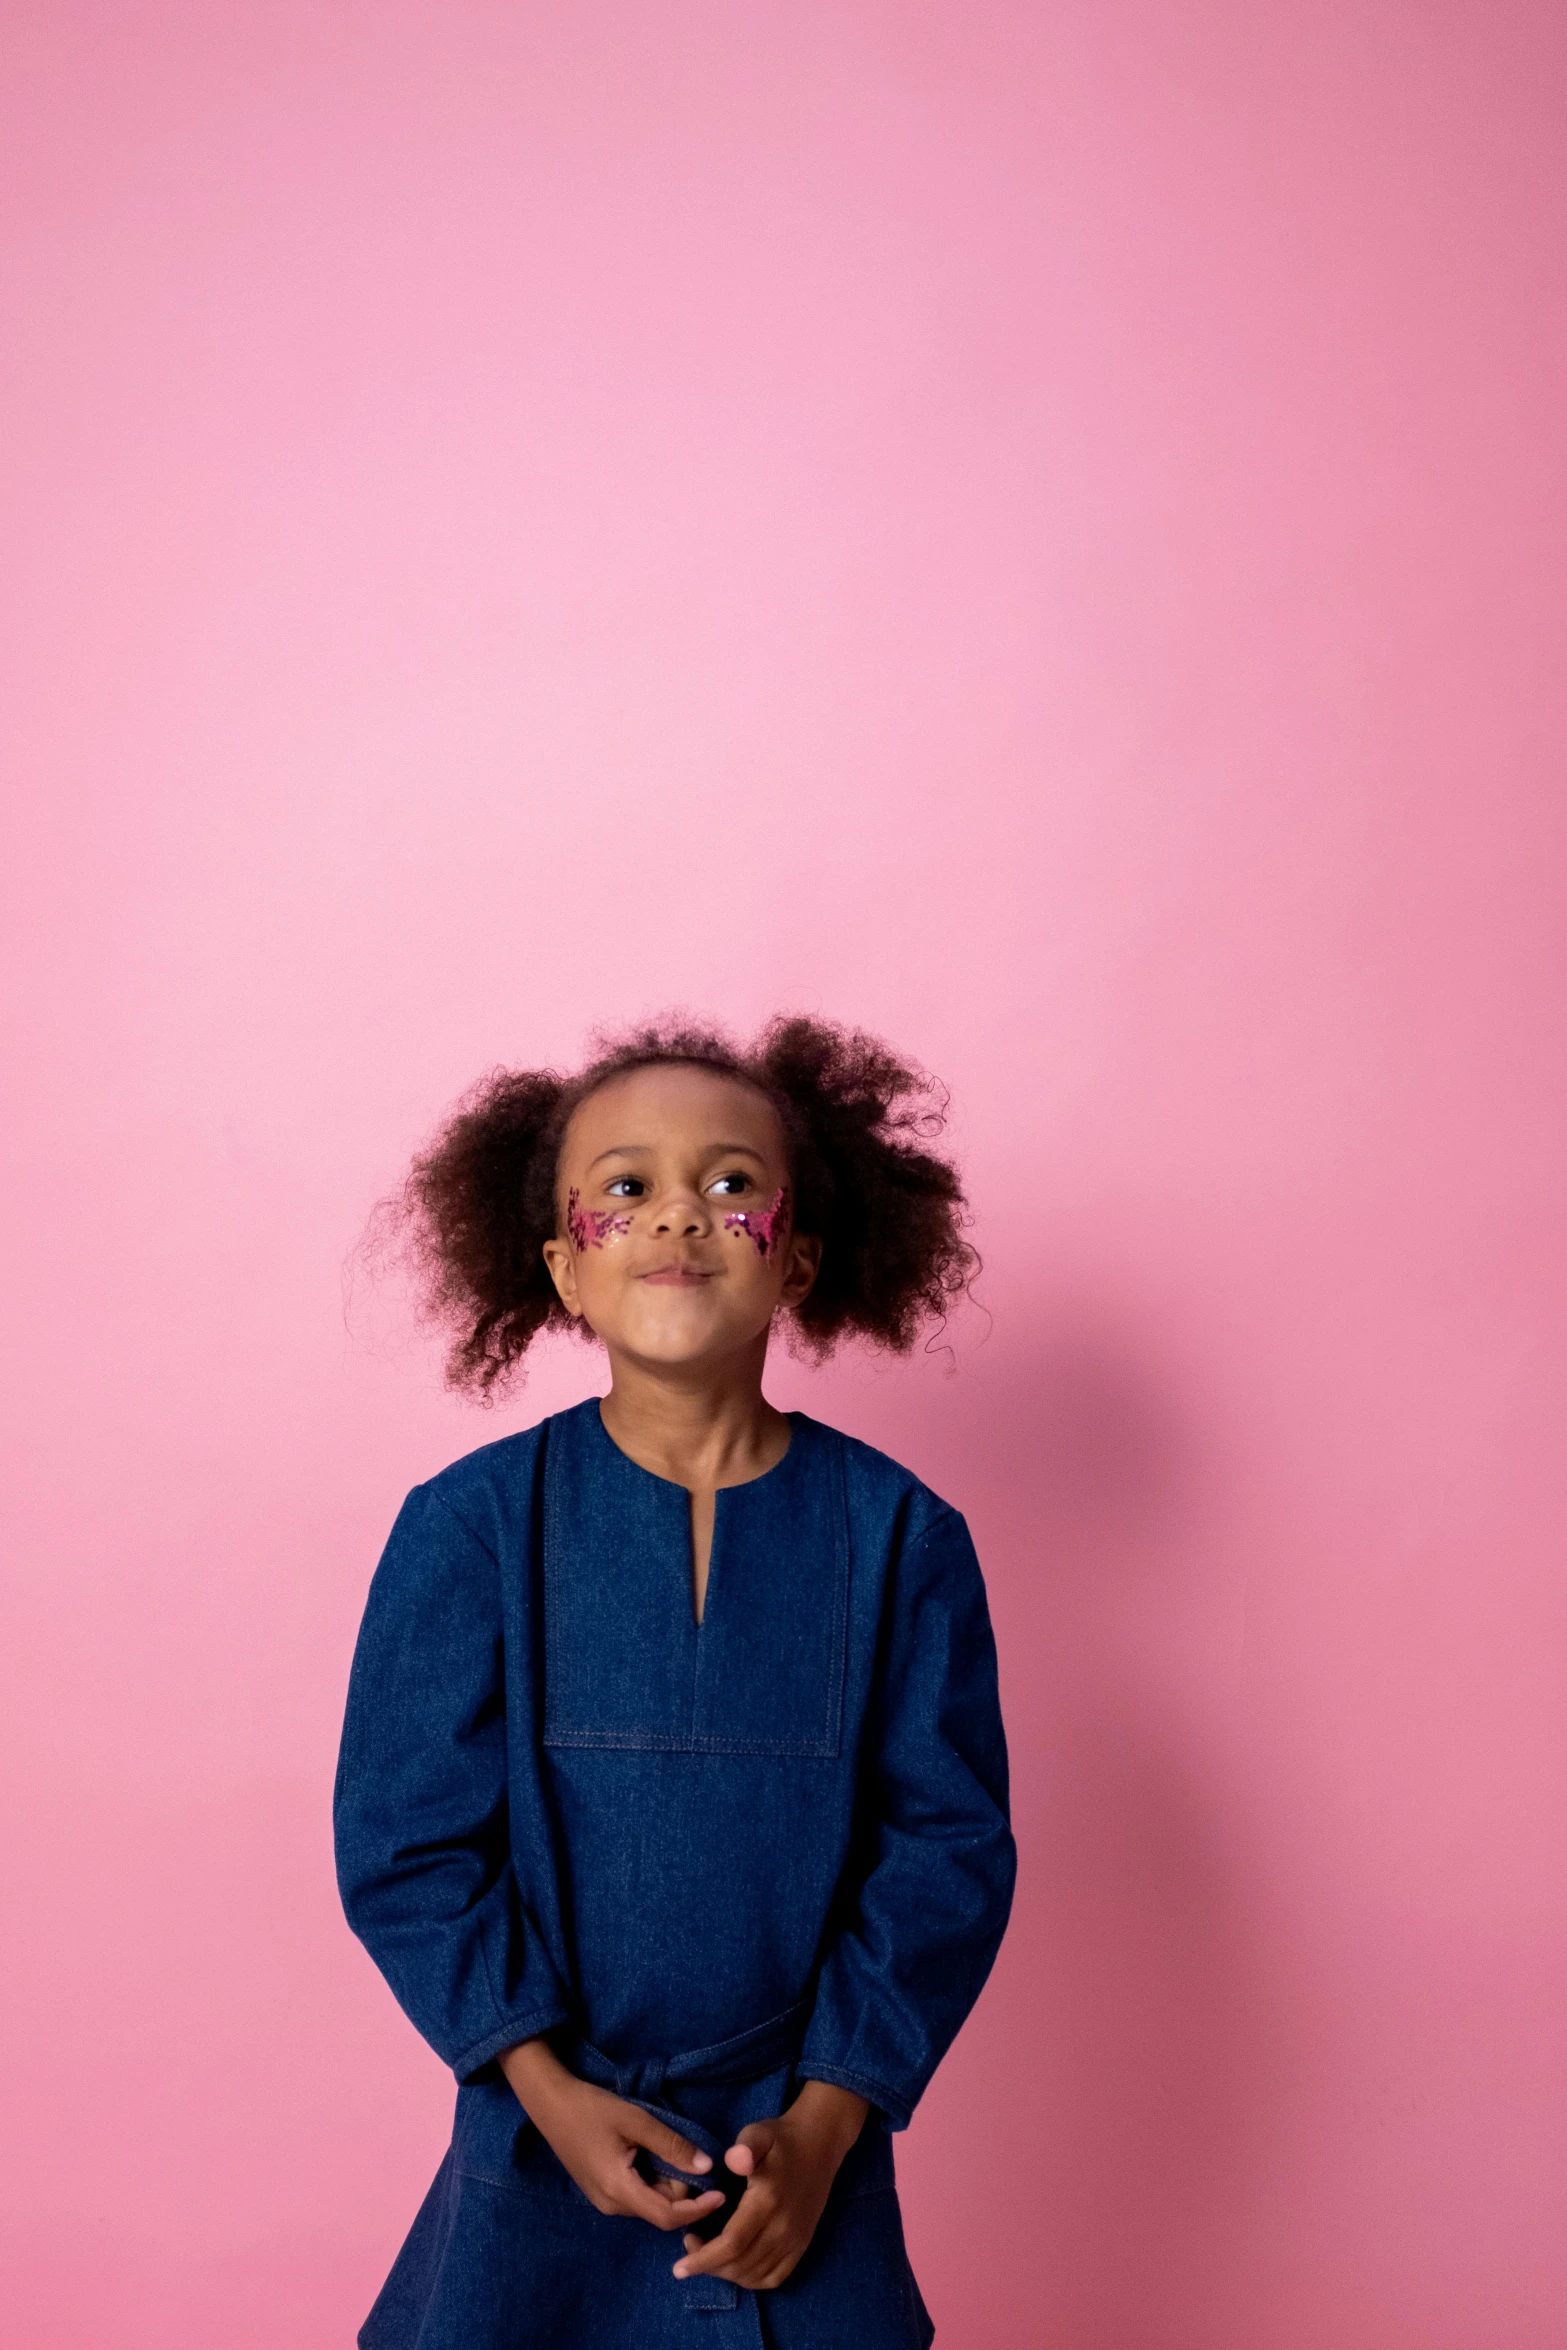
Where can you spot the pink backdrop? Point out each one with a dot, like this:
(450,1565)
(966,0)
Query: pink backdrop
(1039,529)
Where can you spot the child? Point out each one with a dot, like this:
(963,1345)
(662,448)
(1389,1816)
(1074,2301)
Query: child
(672,1799)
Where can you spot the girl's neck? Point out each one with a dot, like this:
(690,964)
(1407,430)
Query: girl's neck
(698,1430)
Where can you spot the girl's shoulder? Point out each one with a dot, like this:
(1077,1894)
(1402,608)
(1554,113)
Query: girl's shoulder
(882,1490)
(489,1491)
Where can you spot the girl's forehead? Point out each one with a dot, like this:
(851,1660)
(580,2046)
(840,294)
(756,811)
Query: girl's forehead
(673,1105)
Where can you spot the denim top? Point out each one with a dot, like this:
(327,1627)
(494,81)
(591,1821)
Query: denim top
(561,1802)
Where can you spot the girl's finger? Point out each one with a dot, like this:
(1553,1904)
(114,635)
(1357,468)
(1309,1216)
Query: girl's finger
(643,2130)
(731,2244)
(751,2149)
(770,2261)
(637,2200)
(778,2274)
(764,2265)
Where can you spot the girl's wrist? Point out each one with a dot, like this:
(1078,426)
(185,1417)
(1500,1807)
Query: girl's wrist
(536,2075)
(831,2117)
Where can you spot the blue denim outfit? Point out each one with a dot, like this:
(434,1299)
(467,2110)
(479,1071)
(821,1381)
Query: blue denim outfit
(711,1861)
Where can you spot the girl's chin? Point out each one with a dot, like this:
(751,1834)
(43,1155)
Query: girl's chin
(688,1336)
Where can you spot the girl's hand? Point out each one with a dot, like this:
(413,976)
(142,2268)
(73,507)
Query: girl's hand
(597,2137)
(789,2166)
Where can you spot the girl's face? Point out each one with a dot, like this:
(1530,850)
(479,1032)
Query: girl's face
(675,1241)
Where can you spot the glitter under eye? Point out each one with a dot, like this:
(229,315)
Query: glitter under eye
(763,1225)
(592,1227)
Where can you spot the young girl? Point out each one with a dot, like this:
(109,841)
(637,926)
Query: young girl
(673,1796)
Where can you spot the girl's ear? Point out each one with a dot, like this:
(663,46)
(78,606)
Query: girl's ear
(801,1268)
(563,1272)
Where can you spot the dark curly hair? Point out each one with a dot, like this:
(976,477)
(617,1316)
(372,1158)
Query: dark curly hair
(480,1200)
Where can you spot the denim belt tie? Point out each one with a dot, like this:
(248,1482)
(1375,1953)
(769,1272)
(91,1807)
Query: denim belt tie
(749,2056)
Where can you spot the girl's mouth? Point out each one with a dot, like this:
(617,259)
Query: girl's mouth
(677,1277)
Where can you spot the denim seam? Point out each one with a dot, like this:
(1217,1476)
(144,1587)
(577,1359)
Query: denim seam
(934,1527)
(677,1742)
(833,1732)
(551,1581)
(489,1971)
(550,2192)
(564,2189)
(897,2109)
(512,2031)
(825,1747)
(457,1517)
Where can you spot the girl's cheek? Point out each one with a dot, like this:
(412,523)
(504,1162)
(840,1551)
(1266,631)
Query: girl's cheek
(766,1226)
(593,1227)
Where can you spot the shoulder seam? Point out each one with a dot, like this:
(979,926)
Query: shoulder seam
(942,1517)
(457,1517)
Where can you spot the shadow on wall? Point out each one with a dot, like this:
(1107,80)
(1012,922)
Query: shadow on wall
(1121,2076)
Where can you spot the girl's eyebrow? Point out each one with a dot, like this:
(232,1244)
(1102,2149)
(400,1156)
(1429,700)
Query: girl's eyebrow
(714,1150)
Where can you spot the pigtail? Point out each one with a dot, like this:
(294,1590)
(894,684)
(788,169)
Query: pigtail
(477,1208)
(890,1212)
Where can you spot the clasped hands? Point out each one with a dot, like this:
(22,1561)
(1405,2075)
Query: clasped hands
(788,2166)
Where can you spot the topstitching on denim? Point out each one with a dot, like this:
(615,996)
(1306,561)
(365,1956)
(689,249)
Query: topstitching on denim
(616,1591)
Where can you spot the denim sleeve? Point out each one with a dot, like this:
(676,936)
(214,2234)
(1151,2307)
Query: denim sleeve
(923,1925)
(424,1858)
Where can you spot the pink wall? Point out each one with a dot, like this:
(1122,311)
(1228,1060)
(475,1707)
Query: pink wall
(1039,529)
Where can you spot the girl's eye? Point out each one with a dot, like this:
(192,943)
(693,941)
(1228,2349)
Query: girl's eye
(626,1187)
(730,1184)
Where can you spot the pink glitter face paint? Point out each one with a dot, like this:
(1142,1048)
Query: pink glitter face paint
(592,1227)
(763,1225)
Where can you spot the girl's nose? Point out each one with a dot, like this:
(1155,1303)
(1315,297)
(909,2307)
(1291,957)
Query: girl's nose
(681,1211)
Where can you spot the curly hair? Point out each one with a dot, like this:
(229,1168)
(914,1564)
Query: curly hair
(480,1199)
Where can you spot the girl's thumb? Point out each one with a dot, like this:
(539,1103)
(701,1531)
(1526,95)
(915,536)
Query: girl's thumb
(751,2149)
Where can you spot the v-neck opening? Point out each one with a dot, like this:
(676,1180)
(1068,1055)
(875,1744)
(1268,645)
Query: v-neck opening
(628,1664)
(712,1544)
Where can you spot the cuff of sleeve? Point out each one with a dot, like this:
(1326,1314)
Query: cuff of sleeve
(898,2113)
(526,2026)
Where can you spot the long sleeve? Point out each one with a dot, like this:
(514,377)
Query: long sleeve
(918,1937)
(421,1808)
